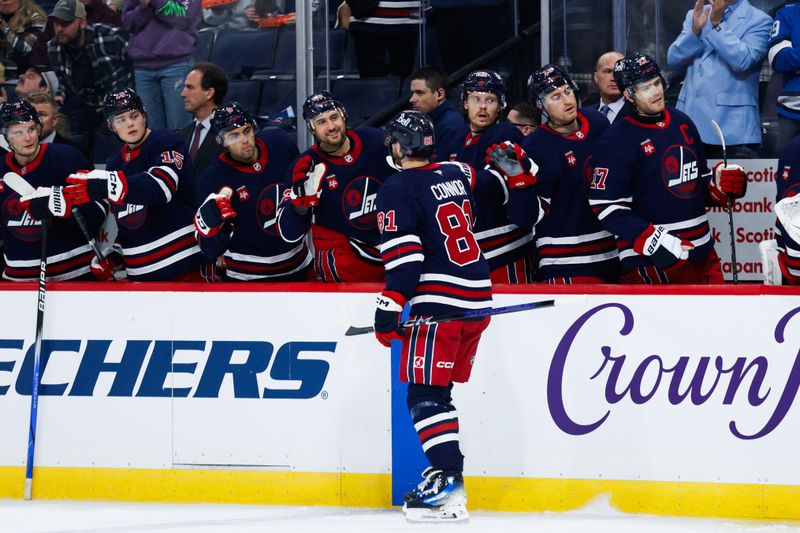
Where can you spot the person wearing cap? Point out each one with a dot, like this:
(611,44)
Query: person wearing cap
(240,226)
(90,60)
(21,24)
(151,194)
(334,186)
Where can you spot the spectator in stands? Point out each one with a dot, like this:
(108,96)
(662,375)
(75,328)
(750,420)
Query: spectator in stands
(226,14)
(524,116)
(96,12)
(784,58)
(36,80)
(386,34)
(429,95)
(54,129)
(203,92)
(162,44)
(722,47)
(267,14)
(611,103)
(90,60)
(21,23)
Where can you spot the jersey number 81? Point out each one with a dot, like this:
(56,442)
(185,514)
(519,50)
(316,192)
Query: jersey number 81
(459,241)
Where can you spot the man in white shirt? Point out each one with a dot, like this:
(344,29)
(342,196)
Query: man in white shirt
(611,102)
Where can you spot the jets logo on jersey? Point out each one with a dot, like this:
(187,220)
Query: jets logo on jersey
(131,216)
(244,195)
(172,158)
(358,202)
(679,171)
(648,148)
(268,201)
(19,223)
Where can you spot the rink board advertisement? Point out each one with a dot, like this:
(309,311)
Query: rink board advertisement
(657,400)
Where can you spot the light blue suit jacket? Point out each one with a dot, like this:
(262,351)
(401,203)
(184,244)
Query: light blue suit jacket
(722,74)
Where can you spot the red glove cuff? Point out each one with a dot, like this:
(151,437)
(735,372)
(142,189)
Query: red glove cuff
(390,301)
(638,244)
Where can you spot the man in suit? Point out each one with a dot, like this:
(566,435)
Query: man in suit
(54,127)
(203,91)
(722,47)
(611,103)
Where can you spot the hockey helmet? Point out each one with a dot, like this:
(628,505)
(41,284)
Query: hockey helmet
(634,69)
(116,102)
(546,80)
(18,111)
(415,133)
(318,103)
(485,81)
(228,117)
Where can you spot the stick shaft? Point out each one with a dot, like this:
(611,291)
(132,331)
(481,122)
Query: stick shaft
(729,207)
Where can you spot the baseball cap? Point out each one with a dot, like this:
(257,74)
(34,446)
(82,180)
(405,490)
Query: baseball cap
(69,10)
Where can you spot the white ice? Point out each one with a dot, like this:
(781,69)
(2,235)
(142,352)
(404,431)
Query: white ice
(95,517)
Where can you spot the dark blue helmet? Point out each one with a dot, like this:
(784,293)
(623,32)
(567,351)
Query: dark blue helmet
(120,101)
(318,103)
(229,116)
(636,68)
(18,111)
(414,131)
(546,80)
(485,81)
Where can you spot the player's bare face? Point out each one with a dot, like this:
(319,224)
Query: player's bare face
(423,99)
(241,143)
(330,129)
(130,127)
(24,140)
(561,105)
(482,110)
(649,97)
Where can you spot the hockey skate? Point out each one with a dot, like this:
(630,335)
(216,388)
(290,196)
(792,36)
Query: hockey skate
(439,498)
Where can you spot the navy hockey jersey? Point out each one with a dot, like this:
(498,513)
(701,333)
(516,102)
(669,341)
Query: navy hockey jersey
(788,184)
(156,224)
(569,239)
(784,57)
(652,171)
(254,250)
(501,241)
(348,191)
(69,255)
(429,250)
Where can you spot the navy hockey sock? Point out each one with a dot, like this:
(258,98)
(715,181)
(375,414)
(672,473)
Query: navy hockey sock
(436,422)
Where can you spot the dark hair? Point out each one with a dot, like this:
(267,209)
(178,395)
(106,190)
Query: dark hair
(527,111)
(213,77)
(435,78)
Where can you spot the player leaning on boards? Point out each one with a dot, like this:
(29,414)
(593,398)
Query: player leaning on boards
(334,184)
(149,185)
(242,228)
(572,245)
(431,258)
(651,185)
(46,167)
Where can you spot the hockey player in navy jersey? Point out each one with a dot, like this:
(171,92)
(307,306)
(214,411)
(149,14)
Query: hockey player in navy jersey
(508,248)
(572,245)
(242,228)
(651,185)
(788,185)
(149,185)
(334,185)
(432,260)
(45,167)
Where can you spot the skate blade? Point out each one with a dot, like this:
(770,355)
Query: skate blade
(448,513)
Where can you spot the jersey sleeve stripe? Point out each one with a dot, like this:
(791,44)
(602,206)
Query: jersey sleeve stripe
(400,240)
(403,260)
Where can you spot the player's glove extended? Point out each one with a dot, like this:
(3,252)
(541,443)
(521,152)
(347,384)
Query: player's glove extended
(389,305)
(213,213)
(512,161)
(306,177)
(103,270)
(663,248)
(97,185)
(729,181)
(47,202)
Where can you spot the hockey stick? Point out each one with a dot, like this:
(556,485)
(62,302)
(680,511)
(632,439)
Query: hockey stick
(730,203)
(37,352)
(20,186)
(354,330)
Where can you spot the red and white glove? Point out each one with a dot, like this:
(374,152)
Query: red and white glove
(389,306)
(663,248)
(306,177)
(47,202)
(214,212)
(512,161)
(97,185)
(729,181)
(103,270)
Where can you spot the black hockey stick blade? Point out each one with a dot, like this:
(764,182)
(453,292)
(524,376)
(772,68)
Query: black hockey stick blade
(355,330)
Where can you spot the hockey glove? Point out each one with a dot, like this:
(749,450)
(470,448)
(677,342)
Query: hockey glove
(729,180)
(661,247)
(214,212)
(306,177)
(387,317)
(103,270)
(512,161)
(97,185)
(47,202)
